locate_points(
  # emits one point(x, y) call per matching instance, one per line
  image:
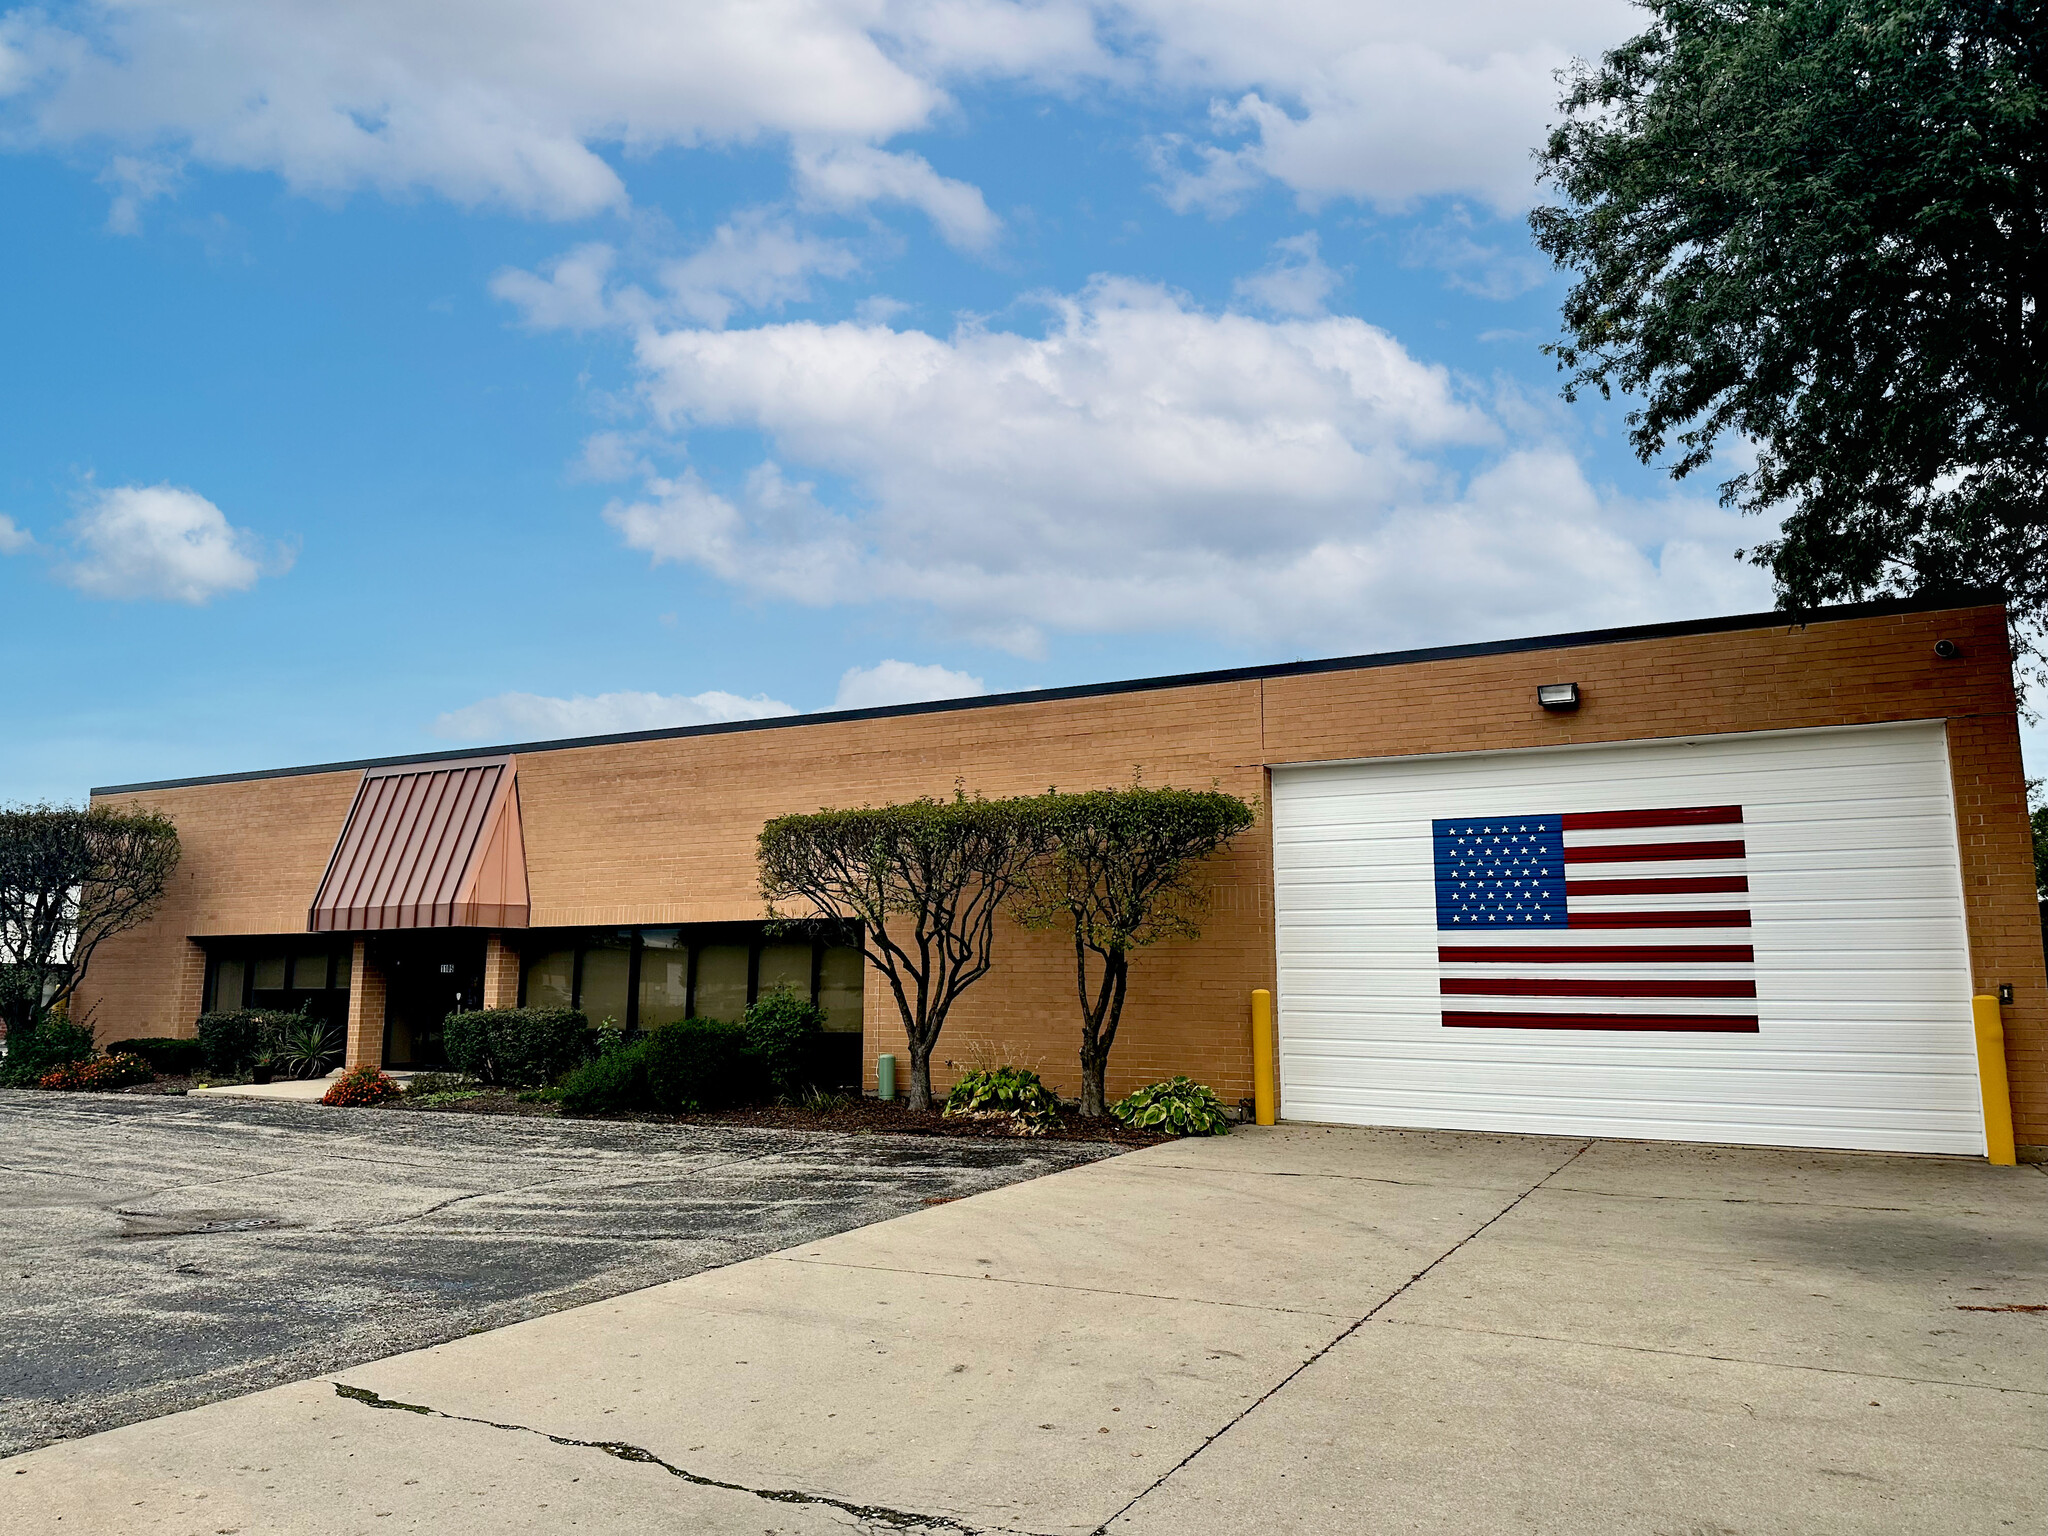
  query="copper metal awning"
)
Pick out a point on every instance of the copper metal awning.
point(428, 846)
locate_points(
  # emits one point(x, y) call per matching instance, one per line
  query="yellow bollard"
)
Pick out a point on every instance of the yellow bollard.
point(1262, 1057)
point(1991, 1080)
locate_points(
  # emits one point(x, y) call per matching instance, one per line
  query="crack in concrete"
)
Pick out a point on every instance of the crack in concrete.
point(1379, 1307)
point(871, 1514)
point(1695, 1354)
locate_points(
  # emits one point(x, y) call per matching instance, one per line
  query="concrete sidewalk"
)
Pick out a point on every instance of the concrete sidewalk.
point(1296, 1330)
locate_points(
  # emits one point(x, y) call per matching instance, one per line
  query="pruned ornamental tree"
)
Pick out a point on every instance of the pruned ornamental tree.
point(921, 883)
point(1821, 227)
point(1122, 871)
point(71, 879)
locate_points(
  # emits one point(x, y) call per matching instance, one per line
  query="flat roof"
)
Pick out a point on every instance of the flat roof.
point(1584, 637)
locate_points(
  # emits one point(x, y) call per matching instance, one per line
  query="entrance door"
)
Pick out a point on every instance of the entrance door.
point(427, 976)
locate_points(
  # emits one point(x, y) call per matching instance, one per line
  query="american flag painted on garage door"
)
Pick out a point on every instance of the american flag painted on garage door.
point(1605, 920)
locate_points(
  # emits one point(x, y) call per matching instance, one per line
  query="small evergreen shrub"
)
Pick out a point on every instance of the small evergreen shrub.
point(102, 1075)
point(782, 1030)
point(234, 1041)
point(1013, 1091)
point(360, 1089)
point(168, 1055)
point(52, 1042)
point(1180, 1106)
point(307, 1049)
point(702, 1064)
point(519, 1047)
point(612, 1084)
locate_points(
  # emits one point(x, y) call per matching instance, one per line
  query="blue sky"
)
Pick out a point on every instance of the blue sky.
point(407, 376)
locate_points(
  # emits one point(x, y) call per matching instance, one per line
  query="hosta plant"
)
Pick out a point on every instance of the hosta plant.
point(1013, 1091)
point(1180, 1106)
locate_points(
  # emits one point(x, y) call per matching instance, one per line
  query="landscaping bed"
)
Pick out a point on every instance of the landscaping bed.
point(849, 1115)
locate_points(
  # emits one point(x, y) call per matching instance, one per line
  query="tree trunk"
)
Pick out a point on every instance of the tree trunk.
point(920, 1077)
point(1098, 1033)
point(1094, 1068)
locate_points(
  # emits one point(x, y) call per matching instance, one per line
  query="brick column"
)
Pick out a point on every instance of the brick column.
point(365, 1012)
point(501, 973)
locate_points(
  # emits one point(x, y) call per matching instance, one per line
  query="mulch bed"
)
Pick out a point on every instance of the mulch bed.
point(866, 1117)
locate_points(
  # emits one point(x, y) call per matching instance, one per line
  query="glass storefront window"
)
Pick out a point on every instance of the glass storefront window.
point(551, 979)
point(344, 960)
point(309, 973)
point(607, 970)
point(269, 973)
point(721, 981)
point(785, 965)
point(227, 985)
point(664, 977)
point(842, 978)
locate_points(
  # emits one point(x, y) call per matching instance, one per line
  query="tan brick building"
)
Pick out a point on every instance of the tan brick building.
point(626, 879)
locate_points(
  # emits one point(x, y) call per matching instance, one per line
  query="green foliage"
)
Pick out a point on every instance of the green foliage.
point(2039, 817)
point(782, 1028)
point(1122, 871)
point(167, 1054)
point(1013, 1091)
point(424, 1085)
point(1819, 227)
point(34, 1050)
point(1180, 1106)
point(702, 1064)
point(306, 1048)
point(522, 1047)
point(360, 1089)
point(611, 1084)
point(103, 1074)
point(919, 882)
point(70, 879)
point(233, 1041)
point(609, 1036)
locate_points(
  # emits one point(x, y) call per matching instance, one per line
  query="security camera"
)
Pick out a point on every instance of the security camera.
point(1947, 650)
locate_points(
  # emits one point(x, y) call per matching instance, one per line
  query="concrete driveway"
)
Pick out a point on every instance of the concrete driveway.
point(159, 1253)
point(1295, 1330)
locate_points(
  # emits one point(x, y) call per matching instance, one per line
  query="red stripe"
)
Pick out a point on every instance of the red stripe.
point(1683, 885)
point(1690, 1023)
point(1731, 918)
point(1643, 853)
point(1581, 954)
point(1544, 986)
point(1688, 816)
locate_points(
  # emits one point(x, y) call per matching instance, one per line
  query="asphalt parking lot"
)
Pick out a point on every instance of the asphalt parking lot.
point(161, 1253)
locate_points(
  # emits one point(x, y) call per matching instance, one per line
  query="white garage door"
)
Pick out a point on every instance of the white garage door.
point(1753, 938)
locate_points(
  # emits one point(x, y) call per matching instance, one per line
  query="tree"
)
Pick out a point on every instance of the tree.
point(70, 880)
point(920, 883)
point(1122, 871)
point(1822, 226)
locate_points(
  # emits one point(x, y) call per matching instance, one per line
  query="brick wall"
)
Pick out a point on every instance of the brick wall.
point(662, 831)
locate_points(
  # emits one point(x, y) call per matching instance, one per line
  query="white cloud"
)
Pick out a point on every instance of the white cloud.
point(1295, 282)
point(850, 176)
point(13, 539)
point(758, 259)
point(1471, 265)
point(1148, 466)
point(903, 682)
point(517, 102)
point(536, 717)
point(162, 541)
point(136, 182)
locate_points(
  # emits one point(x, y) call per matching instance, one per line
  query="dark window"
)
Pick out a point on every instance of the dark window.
point(647, 977)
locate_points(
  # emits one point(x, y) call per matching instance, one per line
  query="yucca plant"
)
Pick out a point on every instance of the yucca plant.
point(306, 1049)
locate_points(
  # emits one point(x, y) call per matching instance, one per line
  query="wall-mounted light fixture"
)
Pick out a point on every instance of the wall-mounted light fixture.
point(1558, 696)
point(1947, 650)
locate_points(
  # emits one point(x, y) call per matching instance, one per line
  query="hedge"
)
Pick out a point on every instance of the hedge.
point(519, 1047)
point(231, 1041)
point(168, 1055)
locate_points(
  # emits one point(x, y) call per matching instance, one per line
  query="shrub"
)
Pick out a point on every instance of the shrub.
point(102, 1075)
point(233, 1041)
point(360, 1089)
point(614, 1083)
point(701, 1064)
point(782, 1030)
point(522, 1047)
point(169, 1056)
point(53, 1042)
point(424, 1084)
point(1013, 1091)
point(1180, 1106)
point(307, 1049)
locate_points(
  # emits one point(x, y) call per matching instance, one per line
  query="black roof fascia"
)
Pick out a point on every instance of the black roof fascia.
point(1562, 642)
